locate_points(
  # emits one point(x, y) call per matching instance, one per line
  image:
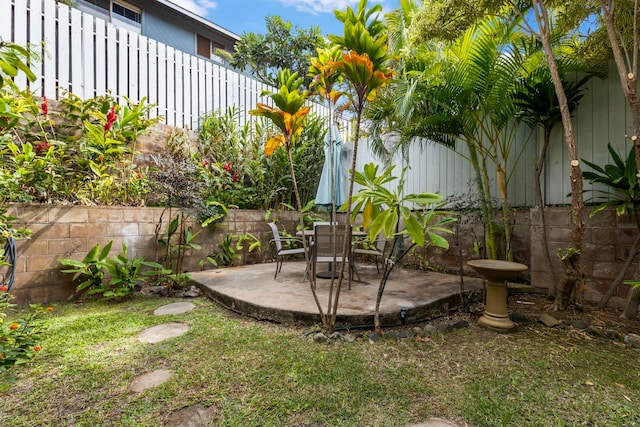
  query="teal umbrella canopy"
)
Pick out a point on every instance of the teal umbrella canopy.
point(323, 194)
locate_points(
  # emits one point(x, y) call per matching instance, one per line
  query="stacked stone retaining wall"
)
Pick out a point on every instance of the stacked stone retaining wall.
point(70, 232)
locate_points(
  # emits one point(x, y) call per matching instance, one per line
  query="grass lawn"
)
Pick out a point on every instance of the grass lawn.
point(262, 374)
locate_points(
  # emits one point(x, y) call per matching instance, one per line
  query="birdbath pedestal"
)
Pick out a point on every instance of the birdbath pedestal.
point(497, 273)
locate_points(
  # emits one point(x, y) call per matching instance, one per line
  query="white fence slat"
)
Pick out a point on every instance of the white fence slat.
point(36, 40)
point(88, 55)
point(123, 69)
point(195, 93)
point(216, 92)
point(207, 90)
point(134, 78)
point(163, 67)
point(143, 68)
point(75, 54)
point(177, 83)
point(202, 88)
point(186, 90)
point(50, 38)
point(170, 90)
point(20, 35)
point(5, 19)
point(101, 59)
point(62, 48)
point(112, 59)
point(153, 71)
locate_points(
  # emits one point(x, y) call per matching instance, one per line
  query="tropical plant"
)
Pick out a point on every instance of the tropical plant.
point(125, 277)
point(231, 252)
point(383, 211)
point(617, 184)
point(363, 66)
point(288, 115)
point(91, 270)
point(13, 60)
point(279, 48)
point(19, 338)
point(176, 239)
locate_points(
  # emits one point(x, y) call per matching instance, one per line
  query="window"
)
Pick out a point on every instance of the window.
point(127, 10)
point(204, 46)
point(207, 47)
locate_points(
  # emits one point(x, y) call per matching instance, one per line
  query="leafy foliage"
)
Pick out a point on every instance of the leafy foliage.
point(19, 338)
point(83, 153)
point(621, 183)
point(281, 47)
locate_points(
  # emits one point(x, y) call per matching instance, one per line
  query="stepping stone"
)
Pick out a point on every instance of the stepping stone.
point(162, 332)
point(175, 308)
point(149, 380)
point(192, 416)
point(435, 422)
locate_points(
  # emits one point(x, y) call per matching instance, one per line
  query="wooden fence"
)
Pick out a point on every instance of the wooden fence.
point(87, 56)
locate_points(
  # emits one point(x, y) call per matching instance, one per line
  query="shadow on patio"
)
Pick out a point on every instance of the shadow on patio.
point(409, 296)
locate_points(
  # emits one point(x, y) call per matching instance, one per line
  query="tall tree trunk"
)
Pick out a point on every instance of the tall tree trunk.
point(628, 73)
point(546, 257)
point(633, 300)
point(573, 269)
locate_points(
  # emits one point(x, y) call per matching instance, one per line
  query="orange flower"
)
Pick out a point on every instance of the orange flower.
point(14, 326)
point(37, 348)
point(49, 309)
point(3, 288)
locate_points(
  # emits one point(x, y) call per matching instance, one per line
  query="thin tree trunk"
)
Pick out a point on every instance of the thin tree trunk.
point(625, 268)
point(347, 243)
point(633, 300)
point(573, 269)
point(628, 74)
point(485, 210)
point(546, 257)
point(323, 317)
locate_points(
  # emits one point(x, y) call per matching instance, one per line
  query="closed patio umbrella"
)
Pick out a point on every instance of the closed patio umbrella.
point(323, 194)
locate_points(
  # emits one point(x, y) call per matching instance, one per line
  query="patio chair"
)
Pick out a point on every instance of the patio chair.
point(324, 247)
point(376, 252)
point(280, 251)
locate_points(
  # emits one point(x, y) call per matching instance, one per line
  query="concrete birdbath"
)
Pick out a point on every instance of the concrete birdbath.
point(497, 273)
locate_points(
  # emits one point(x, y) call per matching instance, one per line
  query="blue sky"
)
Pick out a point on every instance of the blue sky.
point(240, 16)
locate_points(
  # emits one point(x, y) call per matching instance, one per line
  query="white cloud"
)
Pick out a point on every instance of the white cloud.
point(321, 6)
point(199, 7)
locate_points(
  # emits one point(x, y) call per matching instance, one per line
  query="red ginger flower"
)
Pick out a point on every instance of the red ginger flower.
point(37, 348)
point(227, 167)
point(45, 106)
point(235, 177)
point(42, 147)
point(111, 118)
point(205, 164)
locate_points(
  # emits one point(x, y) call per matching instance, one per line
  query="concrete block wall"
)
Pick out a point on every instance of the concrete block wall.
point(71, 231)
point(607, 242)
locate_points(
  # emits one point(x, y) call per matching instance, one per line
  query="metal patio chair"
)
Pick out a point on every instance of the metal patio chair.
point(280, 251)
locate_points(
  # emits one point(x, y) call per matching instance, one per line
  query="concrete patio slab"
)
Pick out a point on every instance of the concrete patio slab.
point(409, 295)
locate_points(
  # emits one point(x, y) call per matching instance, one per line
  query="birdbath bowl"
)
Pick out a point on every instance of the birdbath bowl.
point(497, 273)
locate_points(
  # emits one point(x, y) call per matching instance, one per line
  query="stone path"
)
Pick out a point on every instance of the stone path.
point(196, 415)
point(158, 334)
